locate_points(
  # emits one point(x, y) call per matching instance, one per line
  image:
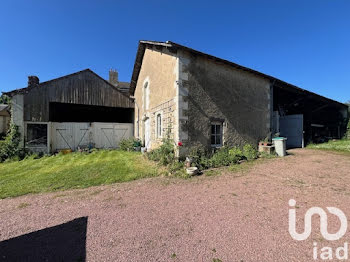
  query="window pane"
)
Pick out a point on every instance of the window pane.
point(213, 140)
point(218, 128)
point(212, 129)
point(218, 140)
point(159, 125)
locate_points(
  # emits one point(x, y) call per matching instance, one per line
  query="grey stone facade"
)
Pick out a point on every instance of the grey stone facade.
point(215, 92)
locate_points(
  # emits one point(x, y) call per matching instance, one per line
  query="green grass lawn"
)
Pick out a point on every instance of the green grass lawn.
point(339, 145)
point(75, 170)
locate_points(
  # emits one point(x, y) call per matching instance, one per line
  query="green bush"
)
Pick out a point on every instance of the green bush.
point(226, 156)
point(237, 152)
point(129, 144)
point(249, 152)
point(165, 154)
point(222, 157)
point(9, 147)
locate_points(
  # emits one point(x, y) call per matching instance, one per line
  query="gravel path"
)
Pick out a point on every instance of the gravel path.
point(231, 217)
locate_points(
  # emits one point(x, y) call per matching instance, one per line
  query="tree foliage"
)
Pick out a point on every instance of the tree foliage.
point(9, 148)
point(4, 99)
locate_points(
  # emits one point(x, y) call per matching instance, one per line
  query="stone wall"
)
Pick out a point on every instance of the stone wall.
point(213, 91)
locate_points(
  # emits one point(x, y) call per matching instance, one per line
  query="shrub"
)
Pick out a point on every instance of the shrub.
point(237, 152)
point(9, 148)
point(129, 144)
point(165, 154)
point(249, 152)
point(221, 158)
point(226, 156)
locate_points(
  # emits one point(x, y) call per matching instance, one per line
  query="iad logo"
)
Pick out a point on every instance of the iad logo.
point(326, 253)
point(323, 222)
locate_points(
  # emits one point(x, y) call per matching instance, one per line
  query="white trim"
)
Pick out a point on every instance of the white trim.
point(161, 124)
point(146, 94)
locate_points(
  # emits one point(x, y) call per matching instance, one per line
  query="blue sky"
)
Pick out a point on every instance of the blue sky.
point(306, 43)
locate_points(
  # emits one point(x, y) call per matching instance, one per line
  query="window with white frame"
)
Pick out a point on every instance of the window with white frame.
point(159, 125)
point(216, 134)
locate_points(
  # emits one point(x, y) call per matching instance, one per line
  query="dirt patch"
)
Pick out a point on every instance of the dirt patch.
point(217, 218)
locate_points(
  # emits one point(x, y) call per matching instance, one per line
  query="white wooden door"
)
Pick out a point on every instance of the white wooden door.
point(63, 136)
point(109, 135)
point(81, 135)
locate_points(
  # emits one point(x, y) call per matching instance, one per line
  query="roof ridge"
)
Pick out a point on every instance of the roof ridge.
point(171, 44)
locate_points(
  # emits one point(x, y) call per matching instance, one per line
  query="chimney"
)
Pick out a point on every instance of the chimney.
point(113, 77)
point(33, 81)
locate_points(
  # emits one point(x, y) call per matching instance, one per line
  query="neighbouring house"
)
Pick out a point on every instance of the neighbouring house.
point(4, 118)
point(204, 101)
point(74, 111)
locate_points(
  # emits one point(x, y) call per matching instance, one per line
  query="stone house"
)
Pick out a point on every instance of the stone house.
point(204, 101)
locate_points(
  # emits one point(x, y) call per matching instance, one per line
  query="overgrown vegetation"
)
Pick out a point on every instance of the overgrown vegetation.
point(337, 145)
point(224, 156)
point(9, 147)
point(165, 154)
point(74, 170)
point(199, 157)
point(129, 144)
point(4, 100)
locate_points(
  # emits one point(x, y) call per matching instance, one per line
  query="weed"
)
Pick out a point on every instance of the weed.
point(23, 205)
point(129, 144)
point(165, 154)
point(250, 152)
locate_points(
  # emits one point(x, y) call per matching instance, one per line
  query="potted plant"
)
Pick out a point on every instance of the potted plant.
point(265, 142)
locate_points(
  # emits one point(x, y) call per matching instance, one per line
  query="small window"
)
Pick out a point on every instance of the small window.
point(216, 134)
point(36, 134)
point(159, 125)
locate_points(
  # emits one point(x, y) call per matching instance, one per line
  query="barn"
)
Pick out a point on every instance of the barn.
point(80, 110)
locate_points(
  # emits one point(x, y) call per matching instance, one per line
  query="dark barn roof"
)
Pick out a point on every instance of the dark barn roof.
point(173, 47)
point(123, 85)
point(84, 88)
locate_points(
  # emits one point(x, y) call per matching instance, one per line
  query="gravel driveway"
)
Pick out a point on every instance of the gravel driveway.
point(230, 217)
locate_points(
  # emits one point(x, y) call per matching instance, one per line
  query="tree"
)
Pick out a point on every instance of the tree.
point(4, 99)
